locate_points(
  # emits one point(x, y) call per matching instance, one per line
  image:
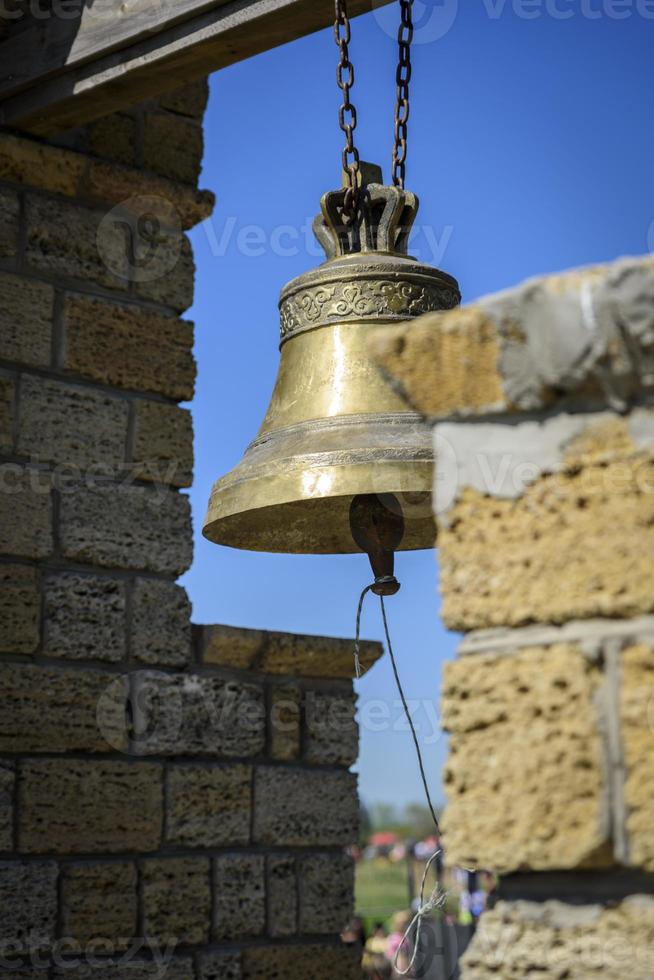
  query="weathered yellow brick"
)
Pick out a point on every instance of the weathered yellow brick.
point(173, 204)
point(209, 806)
point(176, 900)
point(444, 363)
point(20, 608)
point(130, 347)
point(552, 940)
point(99, 901)
point(285, 722)
point(114, 138)
point(74, 806)
point(190, 100)
point(9, 222)
point(7, 396)
point(36, 164)
point(637, 735)
point(525, 779)
point(172, 146)
point(292, 654)
point(50, 710)
point(163, 444)
point(25, 320)
point(575, 543)
point(25, 512)
point(66, 239)
point(71, 425)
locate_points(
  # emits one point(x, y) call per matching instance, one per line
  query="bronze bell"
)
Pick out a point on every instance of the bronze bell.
point(335, 429)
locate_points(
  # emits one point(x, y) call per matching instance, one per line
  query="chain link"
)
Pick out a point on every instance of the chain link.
point(402, 78)
point(347, 114)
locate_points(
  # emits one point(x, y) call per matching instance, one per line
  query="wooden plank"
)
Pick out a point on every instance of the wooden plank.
point(75, 36)
point(165, 52)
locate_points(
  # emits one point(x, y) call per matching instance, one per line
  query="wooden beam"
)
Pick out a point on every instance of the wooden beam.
point(60, 73)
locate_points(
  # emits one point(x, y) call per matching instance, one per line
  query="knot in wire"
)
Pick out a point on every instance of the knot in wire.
point(435, 902)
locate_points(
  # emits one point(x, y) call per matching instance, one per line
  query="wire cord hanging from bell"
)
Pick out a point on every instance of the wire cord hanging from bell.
point(396, 674)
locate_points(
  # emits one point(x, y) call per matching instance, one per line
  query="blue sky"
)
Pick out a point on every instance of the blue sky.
point(531, 149)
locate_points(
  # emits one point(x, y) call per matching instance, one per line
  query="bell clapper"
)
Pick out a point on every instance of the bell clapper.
point(377, 526)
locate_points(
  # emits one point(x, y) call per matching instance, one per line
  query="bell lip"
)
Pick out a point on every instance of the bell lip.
point(289, 497)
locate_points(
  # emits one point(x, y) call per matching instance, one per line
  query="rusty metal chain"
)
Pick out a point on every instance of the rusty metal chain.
point(402, 78)
point(347, 114)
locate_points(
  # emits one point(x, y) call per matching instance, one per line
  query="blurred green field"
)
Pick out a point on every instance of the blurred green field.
point(381, 889)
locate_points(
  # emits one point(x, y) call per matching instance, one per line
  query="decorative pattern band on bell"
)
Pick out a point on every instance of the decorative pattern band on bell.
point(335, 428)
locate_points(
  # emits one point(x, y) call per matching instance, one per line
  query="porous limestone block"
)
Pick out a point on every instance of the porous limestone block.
point(308, 962)
point(20, 608)
point(636, 705)
point(239, 897)
point(67, 240)
point(161, 623)
point(25, 320)
point(526, 779)
point(52, 710)
point(7, 794)
point(172, 146)
point(34, 163)
point(331, 732)
point(285, 722)
point(553, 940)
point(130, 347)
point(176, 900)
point(170, 274)
point(326, 893)
point(305, 808)
point(163, 444)
point(71, 426)
point(74, 806)
point(9, 222)
point(192, 714)
point(124, 526)
point(135, 195)
point(291, 654)
point(546, 521)
point(28, 905)
point(7, 412)
point(190, 100)
point(114, 138)
point(99, 901)
point(209, 806)
point(84, 617)
point(219, 966)
point(25, 512)
point(282, 895)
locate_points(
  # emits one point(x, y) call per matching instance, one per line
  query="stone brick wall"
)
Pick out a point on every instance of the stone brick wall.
point(174, 801)
point(541, 400)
